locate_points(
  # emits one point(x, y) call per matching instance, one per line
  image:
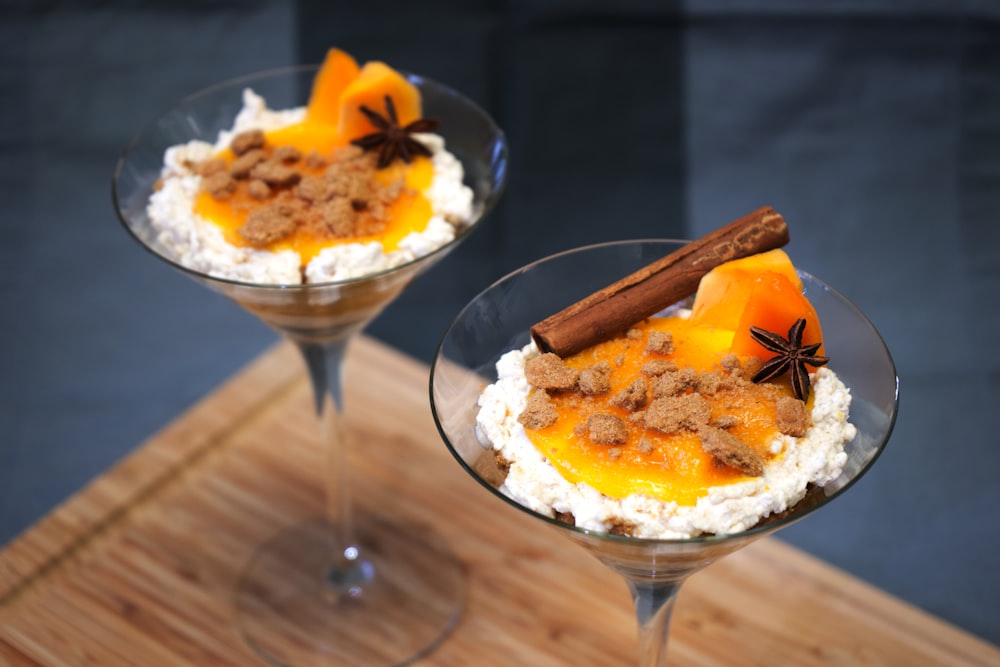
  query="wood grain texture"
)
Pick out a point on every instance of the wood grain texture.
point(139, 567)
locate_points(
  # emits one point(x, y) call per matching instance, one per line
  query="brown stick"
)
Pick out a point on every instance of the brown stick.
point(666, 281)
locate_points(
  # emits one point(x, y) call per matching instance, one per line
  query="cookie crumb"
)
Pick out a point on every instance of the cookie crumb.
point(547, 371)
point(246, 141)
point(660, 342)
point(632, 397)
point(658, 367)
point(671, 414)
point(607, 429)
point(595, 379)
point(731, 451)
point(219, 185)
point(538, 411)
point(674, 383)
point(266, 225)
point(244, 164)
point(792, 417)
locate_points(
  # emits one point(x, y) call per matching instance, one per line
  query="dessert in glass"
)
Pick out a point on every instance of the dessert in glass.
point(312, 197)
point(658, 428)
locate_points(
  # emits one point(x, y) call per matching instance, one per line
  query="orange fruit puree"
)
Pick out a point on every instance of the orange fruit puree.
point(332, 120)
point(666, 466)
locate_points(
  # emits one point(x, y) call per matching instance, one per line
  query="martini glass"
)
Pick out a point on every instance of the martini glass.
point(498, 320)
point(338, 589)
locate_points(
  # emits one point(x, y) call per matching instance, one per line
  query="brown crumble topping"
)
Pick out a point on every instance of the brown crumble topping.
point(246, 141)
point(595, 379)
point(244, 164)
point(708, 383)
point(726, 421)
point(539, 411)
point(645, 446)
point(219, 185)
point(660, 342)
point(792, 417)
point(208, 167)
point(619, 360)
point(634, 396)
point(671, 414)
point(259, 190)
point(658, 367)
point(731, 451)
point(267, 225)
point(547, 371)
point(607, 429)
point(614, 453)
point(343, 200)
point(633, 334)
point(674, 383)
point(287, 154)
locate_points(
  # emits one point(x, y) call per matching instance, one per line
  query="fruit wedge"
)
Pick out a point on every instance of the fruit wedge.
point(337, 72)
point(774, 303)
point(375, 81)
point(723, 291)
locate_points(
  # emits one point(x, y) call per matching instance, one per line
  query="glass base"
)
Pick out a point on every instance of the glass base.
point(395, 602)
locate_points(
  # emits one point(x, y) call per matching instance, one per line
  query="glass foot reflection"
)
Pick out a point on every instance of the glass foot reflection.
point(391, 601)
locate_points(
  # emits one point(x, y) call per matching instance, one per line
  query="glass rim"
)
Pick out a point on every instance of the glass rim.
point(244, 79)
point(763, 526)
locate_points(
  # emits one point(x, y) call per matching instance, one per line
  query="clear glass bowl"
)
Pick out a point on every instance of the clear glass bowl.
point(333, 589)
point(498, 320)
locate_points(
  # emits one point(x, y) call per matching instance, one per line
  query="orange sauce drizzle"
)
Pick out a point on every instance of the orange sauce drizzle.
point(677, 468)
point(410, 212)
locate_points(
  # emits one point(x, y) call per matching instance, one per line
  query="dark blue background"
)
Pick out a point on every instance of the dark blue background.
point(874, 127)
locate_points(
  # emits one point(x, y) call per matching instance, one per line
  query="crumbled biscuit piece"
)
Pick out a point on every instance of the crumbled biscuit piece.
point(708, 383)
point(219, 185)
point(267, 224)
point(792, 417)
point(619, 360)
point(208, 167)
point(726, 421)
point(337, 217)
point(246, 141)
point(731, 451)
point(547, 371)
point(634, 334)
point(607, 429)
point(580, 430)
point(314, 160)
point(258, 189)
point(595, 379)
point(614, 453)
point(314, 189)
point(275, 174)
point(244, 164)
point(673, 383)
point(658, 367)
point(671, 414)
point(749, 368)
point(632, 397)
point(538, 411)
point(286, 154)
point(730, 362)
point(660, 342)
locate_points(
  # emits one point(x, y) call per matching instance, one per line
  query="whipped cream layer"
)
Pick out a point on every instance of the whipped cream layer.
point(816, 458)
point(200, 245)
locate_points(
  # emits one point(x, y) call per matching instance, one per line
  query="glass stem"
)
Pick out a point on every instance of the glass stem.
point(654, 602)
point(349, 571)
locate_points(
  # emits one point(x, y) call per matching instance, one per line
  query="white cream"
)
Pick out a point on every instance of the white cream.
point(816, 458)
point(200, 245)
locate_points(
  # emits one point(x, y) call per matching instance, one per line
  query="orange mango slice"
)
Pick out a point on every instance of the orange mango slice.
point(369, 88)
point(774, 303)
point(339, 69)
point(723, 291)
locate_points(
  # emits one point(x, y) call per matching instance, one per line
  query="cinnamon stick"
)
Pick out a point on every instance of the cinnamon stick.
point(652, 288)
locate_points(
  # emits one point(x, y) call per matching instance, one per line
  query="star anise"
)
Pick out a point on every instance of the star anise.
point(792, 357)
point(390, 139)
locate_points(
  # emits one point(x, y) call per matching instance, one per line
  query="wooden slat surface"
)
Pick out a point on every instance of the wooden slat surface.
point(139, 568)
